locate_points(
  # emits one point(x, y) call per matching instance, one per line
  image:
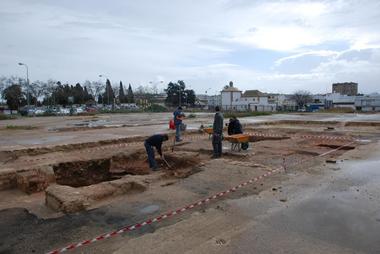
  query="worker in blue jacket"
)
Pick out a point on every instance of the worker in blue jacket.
point(178, 118)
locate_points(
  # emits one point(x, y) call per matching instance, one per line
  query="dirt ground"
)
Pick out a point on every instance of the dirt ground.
point(68, 180)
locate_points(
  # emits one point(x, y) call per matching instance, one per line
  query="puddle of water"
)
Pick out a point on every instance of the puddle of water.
point(44, 140)
point(150, 209)
point(361, 172)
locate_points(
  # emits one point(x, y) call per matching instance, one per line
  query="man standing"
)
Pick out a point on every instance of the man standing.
point(178, 117)
point(156, 141)
point(217, 135)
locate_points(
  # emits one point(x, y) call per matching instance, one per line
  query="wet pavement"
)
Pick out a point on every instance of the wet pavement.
point(51, 130)
point(338, 212)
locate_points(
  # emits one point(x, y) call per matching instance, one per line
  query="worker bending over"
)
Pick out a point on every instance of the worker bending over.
point(234, 127)
point(154, 141)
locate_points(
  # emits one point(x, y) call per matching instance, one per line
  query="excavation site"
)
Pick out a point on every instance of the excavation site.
point(78, 190)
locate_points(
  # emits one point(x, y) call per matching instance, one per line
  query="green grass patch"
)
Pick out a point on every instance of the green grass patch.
point(245, 114)
point(156, 108)
point(7, 117)
point(20, 127)
point(191, 115)
point(337, 110)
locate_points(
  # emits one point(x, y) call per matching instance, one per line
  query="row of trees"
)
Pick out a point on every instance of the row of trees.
point(14, 91)
point(177, 94)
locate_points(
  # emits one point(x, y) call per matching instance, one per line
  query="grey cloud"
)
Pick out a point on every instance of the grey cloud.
point(139, 40)
point(358, 55)
point(88, 24)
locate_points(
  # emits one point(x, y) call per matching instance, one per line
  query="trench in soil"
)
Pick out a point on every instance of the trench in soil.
point(337, 146)
point(85, 173)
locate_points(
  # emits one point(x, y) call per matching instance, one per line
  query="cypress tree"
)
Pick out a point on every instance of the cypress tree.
point(122, 97)
point(130, 96)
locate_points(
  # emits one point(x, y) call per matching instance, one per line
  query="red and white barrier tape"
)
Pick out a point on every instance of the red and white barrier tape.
point(302, 136)
point(196, 137)
point(181, 210)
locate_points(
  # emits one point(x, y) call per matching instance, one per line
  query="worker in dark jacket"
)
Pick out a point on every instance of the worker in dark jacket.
point(217, 134)
point(234, 127)
point(154, 141)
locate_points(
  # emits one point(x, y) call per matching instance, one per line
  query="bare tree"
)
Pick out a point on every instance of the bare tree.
point(48, 91)
point(94, 88)
point(37, 89)
point(301, 97)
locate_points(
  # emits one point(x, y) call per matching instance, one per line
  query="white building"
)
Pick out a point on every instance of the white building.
point(368, 103)
point(254, 100)
point(285, 102)
point(337, 100)
point(210, 101)
point(230, 96)
point(250, 100)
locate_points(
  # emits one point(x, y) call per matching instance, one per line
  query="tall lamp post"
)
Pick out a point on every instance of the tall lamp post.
point(154, 83)
point(179, 97)
point(107, 90)
point(27, 82)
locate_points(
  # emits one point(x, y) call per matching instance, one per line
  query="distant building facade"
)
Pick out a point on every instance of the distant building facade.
point(230, 95)
point(347, 88)
point(209, 101)
point(368, 103)
point(253, 100)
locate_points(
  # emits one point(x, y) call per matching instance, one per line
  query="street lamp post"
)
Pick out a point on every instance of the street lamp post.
point(154, 83)
point(179, 97)
point(27, 83)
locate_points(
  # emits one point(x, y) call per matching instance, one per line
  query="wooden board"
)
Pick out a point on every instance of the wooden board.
point(208, 130)
point(238, 138)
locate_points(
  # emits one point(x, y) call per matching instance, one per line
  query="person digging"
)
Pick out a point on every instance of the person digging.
point(154, 141)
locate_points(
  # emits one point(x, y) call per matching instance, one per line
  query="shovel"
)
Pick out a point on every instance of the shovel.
point(173, 144)
point(163, 158)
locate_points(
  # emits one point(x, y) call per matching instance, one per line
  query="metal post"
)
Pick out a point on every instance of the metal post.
point(27, 83)
point(179, 98)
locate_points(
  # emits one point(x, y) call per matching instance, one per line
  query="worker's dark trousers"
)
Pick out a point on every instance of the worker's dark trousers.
point(150, 152)
point(217, 144)
point(178, 132)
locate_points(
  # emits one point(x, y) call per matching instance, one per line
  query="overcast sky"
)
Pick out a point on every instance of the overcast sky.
point(273, 46)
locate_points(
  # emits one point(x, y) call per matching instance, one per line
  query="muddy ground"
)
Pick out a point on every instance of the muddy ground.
point(63, 192)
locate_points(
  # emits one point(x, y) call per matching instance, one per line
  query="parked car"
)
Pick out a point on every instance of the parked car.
point(64, 111)
point(91, 109)
point(27, 111)
point(39, 111)
point(79, 110)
